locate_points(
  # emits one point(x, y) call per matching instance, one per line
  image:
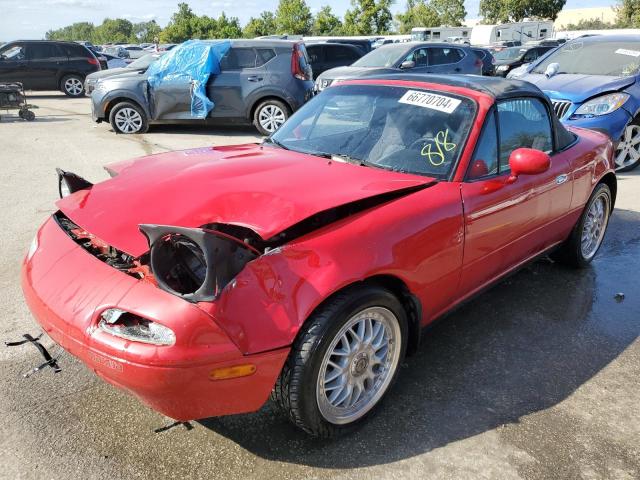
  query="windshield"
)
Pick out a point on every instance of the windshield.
point(512, 53)
point(144, 61)
point(601, 57)
point(385, 56)
point(393, 128)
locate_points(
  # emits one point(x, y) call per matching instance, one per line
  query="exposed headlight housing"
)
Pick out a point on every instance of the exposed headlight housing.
point(194, 263)
point(129, 326)
point(602, 105)
point(69, 183)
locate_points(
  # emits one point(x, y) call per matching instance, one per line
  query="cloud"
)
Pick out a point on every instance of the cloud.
point(74, 3)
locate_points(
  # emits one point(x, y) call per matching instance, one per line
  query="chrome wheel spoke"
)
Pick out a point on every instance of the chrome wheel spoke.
point(594, 226)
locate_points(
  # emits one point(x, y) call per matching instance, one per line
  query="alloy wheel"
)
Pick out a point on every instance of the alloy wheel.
point(73, 86)
point(359, 365)
point(594, 225)
point(271, 118)
point(628, 150)
point(128, 120)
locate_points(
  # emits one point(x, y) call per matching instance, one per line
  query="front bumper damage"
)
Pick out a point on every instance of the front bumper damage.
point(67, 289)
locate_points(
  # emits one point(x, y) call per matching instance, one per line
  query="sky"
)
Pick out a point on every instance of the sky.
point(30, 19)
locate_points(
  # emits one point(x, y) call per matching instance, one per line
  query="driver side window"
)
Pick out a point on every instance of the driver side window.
point(419, 57)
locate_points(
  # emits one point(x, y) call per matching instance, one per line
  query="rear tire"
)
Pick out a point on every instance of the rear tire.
point(586, 237)
point(128, 118)
point(72, 85)
point(270, 115)
point(344, 360)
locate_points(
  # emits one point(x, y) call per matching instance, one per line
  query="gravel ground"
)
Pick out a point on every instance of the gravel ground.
point(537, 378)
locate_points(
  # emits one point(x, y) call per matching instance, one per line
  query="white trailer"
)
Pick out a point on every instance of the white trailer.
point(441, 34)
point(521, 32)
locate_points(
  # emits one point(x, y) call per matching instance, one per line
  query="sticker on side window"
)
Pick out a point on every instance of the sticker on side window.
point(433, 101)
point(630, 53)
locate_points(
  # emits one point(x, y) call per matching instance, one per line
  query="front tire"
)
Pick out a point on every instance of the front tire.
point(344, 360)
point(72, 86)
point(587, 235)
point(627, 155)
point(270, 115)
point(128, 118)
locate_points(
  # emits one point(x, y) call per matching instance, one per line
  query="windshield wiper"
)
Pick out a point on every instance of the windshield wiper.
point(272, 141)
point(356, 161)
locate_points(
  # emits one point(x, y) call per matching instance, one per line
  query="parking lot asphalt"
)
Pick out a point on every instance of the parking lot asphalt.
point(536, 378)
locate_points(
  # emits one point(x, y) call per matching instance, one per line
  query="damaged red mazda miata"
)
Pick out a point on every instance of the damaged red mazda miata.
point(303, 268)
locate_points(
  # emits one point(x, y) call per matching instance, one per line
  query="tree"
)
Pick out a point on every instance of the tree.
point(76, 31)
point(368, 17)
point(326, 23)
point(628, 13)
point(227, 27)
point(114, 30)
point(146, 32)
point(293, 17)
point(265, 24)
point(500, 11)
point(589, 24)
point(180, 27)
point(418, 13)
point(450, 12)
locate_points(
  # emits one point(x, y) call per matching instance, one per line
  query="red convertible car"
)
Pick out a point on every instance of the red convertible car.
point(203, 281)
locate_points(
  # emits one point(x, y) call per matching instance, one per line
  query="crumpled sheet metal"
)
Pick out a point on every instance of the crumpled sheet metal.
point(192, 63)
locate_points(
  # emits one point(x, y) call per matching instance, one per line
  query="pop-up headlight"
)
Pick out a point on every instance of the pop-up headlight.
point(69, 183)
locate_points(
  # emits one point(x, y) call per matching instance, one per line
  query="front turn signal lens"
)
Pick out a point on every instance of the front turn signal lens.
point(232, 372)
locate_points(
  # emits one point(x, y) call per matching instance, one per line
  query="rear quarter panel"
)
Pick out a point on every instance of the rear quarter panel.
point(591, 159)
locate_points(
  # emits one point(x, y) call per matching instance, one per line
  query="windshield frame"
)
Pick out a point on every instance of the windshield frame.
point(463, 146)
point(132, 65)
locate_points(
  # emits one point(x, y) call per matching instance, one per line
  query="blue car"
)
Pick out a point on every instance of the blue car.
point(593, 83)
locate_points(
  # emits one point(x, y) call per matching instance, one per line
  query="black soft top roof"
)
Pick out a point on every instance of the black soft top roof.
point(498, 88)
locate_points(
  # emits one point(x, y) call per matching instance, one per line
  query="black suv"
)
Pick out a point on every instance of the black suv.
point(326, 55)
point(47, 65)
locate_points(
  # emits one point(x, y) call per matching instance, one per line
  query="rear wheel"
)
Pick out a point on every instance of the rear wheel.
point(270, 115)
point(343, 362)
point(72, 85)
point(627, 156)
point(127, 117)
point(588, 234)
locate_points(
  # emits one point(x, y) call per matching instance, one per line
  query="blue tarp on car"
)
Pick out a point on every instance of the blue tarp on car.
point(190, 62)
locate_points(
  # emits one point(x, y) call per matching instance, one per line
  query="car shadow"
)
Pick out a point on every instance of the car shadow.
point(522, 347)
point(16, 119)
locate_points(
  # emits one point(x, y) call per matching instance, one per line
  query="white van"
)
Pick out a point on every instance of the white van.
point(520, 32)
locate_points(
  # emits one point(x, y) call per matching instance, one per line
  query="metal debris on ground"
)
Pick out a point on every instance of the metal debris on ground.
point(49, 360)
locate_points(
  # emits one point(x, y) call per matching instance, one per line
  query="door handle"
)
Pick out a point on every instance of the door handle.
point(254, 78)
point(457, 69)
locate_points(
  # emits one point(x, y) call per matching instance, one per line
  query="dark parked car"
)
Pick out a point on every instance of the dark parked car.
point(326, 55)
point(47, 65)
point(260, 82)
point(488, 61)
point(414, 57)
point(514, 57)
point(363, 44)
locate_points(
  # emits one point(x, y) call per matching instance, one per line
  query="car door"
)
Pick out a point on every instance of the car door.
point(13, 64)
point(45, 61)
point(508, 222)
point(239, 77)
point(445, 60)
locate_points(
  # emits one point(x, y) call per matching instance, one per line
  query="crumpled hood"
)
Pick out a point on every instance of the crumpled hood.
point(577, 88)
point(264, 188)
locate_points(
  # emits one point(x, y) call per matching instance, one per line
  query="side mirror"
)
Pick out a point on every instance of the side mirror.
point(407, 64)
point(528, 161)
point(551, 70)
